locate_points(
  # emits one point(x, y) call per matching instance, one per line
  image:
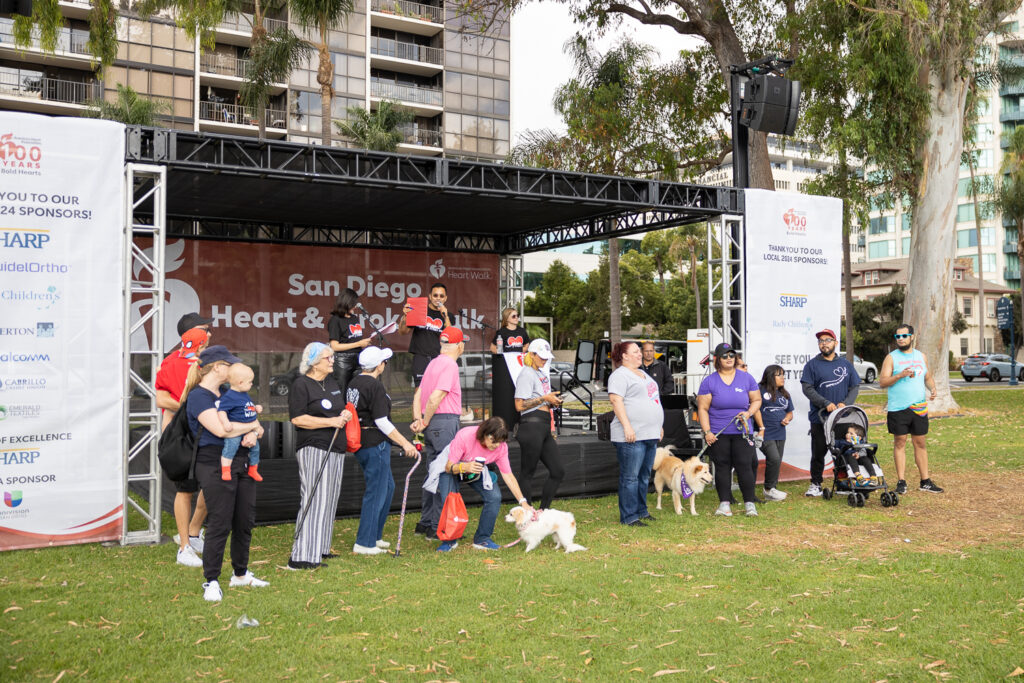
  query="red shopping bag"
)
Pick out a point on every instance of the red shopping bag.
point(353, 432)
point(453, 518)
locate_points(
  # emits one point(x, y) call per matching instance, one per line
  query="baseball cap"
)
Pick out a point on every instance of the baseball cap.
point(192, 340)
point(723, 349)
point(826, 333)
point(190, 320)
point(372, 356)
point(542, 348)
point(452, 335)
point(216, 353)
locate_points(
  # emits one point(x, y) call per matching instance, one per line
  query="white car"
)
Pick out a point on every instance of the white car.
point(867, 370)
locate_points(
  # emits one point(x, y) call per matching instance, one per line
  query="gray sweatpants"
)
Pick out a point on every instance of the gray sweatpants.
point(437, 436)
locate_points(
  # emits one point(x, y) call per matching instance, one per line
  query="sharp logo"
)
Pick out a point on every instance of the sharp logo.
point(437, 269)
point(24, 239)
point(792, 300)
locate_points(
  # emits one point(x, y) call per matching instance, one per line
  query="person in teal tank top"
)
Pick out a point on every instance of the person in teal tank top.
point(910, 384)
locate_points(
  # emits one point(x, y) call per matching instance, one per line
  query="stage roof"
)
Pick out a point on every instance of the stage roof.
point(222, 186)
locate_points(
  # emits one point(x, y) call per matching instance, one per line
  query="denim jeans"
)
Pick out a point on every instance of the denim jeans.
point(492, 502)
point(380, 489)
point(231, 445)
point(635, 462)
point(439, 433)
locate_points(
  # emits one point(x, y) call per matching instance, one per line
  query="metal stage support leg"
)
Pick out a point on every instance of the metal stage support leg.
point(511, 282)
point(727, 285)
point(145, 216)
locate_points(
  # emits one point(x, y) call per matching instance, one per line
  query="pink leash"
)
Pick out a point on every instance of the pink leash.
point(533, 518)
point(405, 498)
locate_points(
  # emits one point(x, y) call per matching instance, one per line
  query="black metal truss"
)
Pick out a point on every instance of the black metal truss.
point(592, 229)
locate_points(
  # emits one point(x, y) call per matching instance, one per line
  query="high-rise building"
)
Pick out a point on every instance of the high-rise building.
point(420, 55)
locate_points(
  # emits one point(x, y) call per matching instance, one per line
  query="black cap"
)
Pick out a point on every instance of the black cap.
point(723, 349)
point(212, 354)
point(190, 320)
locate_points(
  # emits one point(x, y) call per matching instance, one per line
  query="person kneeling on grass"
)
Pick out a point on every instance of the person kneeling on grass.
point(469, 453)
point(236, 406)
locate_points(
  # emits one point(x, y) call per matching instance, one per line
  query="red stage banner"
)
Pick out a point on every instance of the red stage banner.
point(279, 297)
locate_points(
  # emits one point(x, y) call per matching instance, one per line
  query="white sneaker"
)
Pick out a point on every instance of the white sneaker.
point(212, 592)
point(774, 494)
point(751, 510)
point(188, 557)
point(247, 580)
point(724, 509)
point(814, 491)
point(363, 550)
point(198, 542)
point(383, 544)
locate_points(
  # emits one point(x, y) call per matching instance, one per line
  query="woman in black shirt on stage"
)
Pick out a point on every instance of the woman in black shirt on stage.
point(514, 339)
point(345, 330)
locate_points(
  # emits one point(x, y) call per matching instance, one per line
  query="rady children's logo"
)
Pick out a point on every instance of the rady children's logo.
point(796, 222)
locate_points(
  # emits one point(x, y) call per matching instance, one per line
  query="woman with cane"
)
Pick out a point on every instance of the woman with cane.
point(373, 406)
point(317, 409)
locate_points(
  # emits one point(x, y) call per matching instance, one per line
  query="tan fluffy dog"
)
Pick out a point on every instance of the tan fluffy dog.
point(668, 471)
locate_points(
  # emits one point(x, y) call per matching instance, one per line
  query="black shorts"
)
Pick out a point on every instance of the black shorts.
point(186, 486)
point(419, 366)
point(906, 421)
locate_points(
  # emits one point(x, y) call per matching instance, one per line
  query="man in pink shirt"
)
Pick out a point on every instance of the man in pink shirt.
point(436, 407)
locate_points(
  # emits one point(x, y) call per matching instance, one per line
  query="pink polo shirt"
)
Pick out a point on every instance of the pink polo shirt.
point(465, 448)
point(442, 373)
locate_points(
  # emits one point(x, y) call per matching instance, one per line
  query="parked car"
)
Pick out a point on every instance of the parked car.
point(472, 367)
point(866, 370)
point(992, 366)
point(280, 385)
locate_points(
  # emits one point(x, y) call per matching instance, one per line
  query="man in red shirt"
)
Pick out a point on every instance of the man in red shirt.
point(170, 383)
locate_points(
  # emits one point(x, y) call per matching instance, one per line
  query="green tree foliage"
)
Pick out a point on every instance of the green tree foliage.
point(198, 18)
point(567, 300)
point(1010, 195)
point(380, 129)
point(128, 108)
point(47, 20)
point(320, 16)
point(875, 322)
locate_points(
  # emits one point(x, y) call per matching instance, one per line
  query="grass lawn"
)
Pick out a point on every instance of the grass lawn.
point(810, 590)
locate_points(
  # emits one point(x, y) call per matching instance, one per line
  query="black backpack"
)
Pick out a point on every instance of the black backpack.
point(177, 448)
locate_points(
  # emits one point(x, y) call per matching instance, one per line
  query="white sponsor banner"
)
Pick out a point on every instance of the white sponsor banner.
point(61, 330)
point(793, 271)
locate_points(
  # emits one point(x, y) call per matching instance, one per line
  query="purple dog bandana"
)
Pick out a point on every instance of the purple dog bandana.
point(684, 487)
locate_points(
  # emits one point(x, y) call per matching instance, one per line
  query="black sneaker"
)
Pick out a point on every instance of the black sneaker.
point(636, 522)
point(648, 518)
point(296, 565)
point(901, 487)
point(422, 529)
point(928, 485)
point(330, 556)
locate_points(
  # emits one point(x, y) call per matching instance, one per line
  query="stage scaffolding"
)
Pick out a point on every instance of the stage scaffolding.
point(726, 282)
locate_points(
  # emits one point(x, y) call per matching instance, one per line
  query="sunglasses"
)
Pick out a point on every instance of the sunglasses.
point(902, 336)
point(728, 355)
point(825, 340)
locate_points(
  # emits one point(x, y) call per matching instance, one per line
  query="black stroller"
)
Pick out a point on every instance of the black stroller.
point(837, 423)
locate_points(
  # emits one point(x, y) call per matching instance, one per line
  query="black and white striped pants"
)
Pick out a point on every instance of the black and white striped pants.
point(313, 539)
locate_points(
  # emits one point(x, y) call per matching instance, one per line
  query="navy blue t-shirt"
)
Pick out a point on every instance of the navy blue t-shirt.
point(832, 379)
point(201, 399)
point(772, 414)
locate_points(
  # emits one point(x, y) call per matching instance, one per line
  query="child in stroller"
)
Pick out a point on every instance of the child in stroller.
point(854, 451)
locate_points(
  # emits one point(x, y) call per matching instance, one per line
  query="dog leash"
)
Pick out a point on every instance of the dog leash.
point(405, 498)
point(533, 518)
point(706, 444)
point(752, 439)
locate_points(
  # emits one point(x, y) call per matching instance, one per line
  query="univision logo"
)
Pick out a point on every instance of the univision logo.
point(12, 499)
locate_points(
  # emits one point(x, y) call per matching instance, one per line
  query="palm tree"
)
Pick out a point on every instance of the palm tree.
point(1010, 195)
point(129, 108)
point(687, 244)
point(379, 130)
point(323, 15)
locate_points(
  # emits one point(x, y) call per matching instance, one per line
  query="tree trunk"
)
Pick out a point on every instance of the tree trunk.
point(695, 285)
point(981, 280)
point(929, 305)
point(847, 267)
point(259, 37)
point(760, 164)
point(614, 293)
point(325, 77)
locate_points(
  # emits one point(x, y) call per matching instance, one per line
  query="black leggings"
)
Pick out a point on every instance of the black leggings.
point(729, 452)
point(536, 444)
point(851, 460)
point(231, 507)
point(346, 366)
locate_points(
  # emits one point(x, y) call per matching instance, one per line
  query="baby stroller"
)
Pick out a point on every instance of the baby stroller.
point(837, 423)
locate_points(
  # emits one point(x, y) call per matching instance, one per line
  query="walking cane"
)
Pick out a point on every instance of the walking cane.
point(405, 497)
point(319, 475)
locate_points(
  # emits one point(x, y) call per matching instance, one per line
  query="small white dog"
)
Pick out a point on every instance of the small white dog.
point(534, 526)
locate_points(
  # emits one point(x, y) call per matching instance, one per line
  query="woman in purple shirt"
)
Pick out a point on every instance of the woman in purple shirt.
point(723, 397)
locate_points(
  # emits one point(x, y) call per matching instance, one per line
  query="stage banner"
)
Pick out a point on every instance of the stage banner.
point(793, 273)
point(278, 297)
point(61, 330)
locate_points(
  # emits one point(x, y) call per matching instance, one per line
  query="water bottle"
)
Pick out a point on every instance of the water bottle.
point(245, 622)
point(501, 345)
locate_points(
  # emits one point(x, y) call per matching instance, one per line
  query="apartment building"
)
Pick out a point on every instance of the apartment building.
point(455, 81)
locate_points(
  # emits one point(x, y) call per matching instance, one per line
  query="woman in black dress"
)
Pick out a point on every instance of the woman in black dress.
point(509, 338)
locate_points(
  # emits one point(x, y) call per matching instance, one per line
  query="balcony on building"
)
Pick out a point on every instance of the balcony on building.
point(75, 9)
point(422, 137)
point(1011, 274)
point(236, 27)
point(223, 69)
point(1010, 248)
point(422, 95)
point(217, 115)
point(1011, 114)
point(36, 91)
point(404, 15)
point(404, 52)
point(71, 49)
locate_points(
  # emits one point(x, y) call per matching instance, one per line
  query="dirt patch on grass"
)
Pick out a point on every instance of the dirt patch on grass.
point(976, 509)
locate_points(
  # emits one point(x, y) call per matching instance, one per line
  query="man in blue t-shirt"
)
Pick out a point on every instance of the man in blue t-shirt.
point(829, 382)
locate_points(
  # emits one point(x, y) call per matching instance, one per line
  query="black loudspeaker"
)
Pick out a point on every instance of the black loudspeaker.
point(771, 104)
point(584, 366)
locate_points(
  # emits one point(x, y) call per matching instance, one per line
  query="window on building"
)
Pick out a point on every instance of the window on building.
point(990, 308)
point(958, 273)
point(963, 186)
point(906, 247)
point(963, 346)
point(989, 345)
point(882, 225)
point(983, 157)
point(968, 306)
point(884, 249)
point(907, 220)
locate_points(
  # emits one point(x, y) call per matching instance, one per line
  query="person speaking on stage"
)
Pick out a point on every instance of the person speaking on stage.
point(373, 407)
point(345, 332)
point(511, 337)
point(536, 436)
point(316, 407)
point(425, 344)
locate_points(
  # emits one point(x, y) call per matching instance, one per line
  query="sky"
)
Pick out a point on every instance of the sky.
point(539, 31)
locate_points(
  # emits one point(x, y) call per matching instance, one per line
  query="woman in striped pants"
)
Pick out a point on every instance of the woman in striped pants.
point(317, 409)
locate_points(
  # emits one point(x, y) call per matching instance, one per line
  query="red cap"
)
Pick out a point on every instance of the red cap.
point(452, 335)
point(826, 332)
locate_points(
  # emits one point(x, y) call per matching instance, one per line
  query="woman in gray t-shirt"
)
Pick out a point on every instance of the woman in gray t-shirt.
point(635, 430)
point(536, 436)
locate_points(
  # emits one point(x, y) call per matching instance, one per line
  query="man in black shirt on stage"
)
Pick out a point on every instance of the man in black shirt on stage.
point(657, 370)
point(425, 344)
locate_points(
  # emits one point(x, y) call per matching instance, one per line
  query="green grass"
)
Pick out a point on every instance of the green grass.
point(807, 591)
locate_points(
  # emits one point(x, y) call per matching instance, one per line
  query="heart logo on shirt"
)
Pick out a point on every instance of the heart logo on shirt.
point(354, 330)
point(434, 324)
point(515, 341)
